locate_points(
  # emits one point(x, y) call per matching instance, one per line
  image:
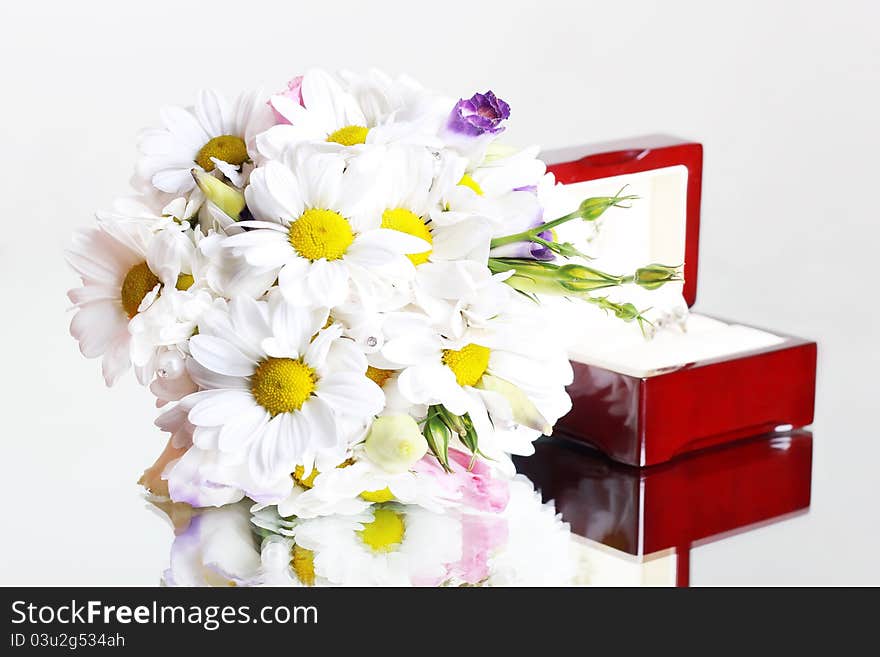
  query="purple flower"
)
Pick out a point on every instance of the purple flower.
point(525, 249)
point(480, 114)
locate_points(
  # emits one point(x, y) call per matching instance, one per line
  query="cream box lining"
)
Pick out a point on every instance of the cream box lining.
point(705, 338)
point(652, 230)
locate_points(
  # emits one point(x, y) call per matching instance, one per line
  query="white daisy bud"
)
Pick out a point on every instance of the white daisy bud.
point(228, 199)
point(524, 411)
point(395, 443)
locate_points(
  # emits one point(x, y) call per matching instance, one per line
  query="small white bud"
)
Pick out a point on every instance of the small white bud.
point(395, 443)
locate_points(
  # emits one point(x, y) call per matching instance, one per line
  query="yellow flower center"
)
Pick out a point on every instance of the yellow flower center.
point(320, 234)
point(303, 563)
point(410, 223)
point(385, 532)
point(378, 496)
point(469, 363)
point(135, 286)
point(350, 135)
point(139, 281)
point(378, 376)
point(228, 148)
point(307, 482)
point(185, 281)
point(282, 385)
point(468, 181)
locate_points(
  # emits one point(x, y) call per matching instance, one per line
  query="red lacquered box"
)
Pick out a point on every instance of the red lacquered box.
point(701, 381)
point(647, 515)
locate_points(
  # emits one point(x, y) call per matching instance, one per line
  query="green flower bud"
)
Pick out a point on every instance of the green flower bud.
point(531, 276)
point(227, 198)
point(395, 443)
point(655, 275)
point(592, 208)
point(437, 436)
point(580, 278)
point(626, 311)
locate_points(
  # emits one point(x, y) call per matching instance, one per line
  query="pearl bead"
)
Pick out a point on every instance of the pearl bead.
point(170, 365)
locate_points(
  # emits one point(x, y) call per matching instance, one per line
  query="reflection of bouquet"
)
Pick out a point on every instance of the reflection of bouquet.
point(522, 544)
point(332, 294)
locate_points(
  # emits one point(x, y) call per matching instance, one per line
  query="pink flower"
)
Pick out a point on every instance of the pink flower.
point(479, 490)
point(480, 537)
point(293, 92)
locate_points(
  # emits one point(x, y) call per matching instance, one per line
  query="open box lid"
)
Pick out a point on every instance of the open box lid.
point(662, 226)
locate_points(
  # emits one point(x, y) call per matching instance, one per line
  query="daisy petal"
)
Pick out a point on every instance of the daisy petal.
point(96, 325)
point(433, 384)
point(213, 113)
point(219, 407)
point(220, 356)
point(351, 394)
point(292, 281)
point(328, 282)
point(377, 247)
point(323, 96)
point(184, 127)
point(318, 348)
point(240, 429)
point(322, 424)
point(173, 181)
point(261, 461)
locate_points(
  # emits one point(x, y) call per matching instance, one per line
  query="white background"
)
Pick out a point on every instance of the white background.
point(785, 97)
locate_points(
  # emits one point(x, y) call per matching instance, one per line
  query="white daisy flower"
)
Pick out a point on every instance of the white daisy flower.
point(386, 545)
point(502, 375)
point(178, 213)
point(228, 274)
point(176, 249)
point(314, 228)
point(354, 486)
point(415, 181)
point(205, 477)
point(460, 294)
point(352, 110)
point(126, 269)
point(212, 136)
point(277, 386)
point(505, 190)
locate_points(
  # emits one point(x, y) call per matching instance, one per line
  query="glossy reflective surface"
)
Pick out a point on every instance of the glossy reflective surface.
point(693, 500)
point(628, 526)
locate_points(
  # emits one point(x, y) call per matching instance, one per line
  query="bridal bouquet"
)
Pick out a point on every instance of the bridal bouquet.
point(334, 294)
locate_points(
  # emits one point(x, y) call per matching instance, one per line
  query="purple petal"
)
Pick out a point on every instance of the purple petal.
point(478, 115)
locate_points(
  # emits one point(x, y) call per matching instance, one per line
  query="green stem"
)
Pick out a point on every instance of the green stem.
point(589, 210)
point(532, 234)
point(550, 225)
point(525, 236)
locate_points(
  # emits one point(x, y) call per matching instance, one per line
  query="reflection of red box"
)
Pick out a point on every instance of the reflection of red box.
point(644, 416)
point(695, 498)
